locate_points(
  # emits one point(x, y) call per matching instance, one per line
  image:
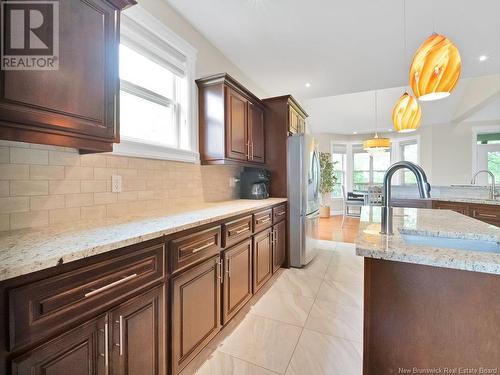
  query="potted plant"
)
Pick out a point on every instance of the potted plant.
point(327, 182)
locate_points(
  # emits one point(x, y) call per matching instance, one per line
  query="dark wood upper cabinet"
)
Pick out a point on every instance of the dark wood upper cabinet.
point(80, 351)
point(231, 122)
point(78, 104)
point(279, 245)
point(237, 279)
point(196, 304)
point(262, 259)
point(137, 335)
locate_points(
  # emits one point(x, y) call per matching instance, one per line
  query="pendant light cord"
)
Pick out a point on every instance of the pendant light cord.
point(376, 114)
point(405, 45)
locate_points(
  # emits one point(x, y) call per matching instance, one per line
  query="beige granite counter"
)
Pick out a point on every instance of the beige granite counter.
point(469, 200)
point(30, 250)
point(432, 223)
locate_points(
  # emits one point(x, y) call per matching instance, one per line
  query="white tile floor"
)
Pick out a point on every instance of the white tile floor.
point(308, 322)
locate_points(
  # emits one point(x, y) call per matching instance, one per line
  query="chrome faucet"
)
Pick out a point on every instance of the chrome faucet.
point(493, 194)
point(424, 188)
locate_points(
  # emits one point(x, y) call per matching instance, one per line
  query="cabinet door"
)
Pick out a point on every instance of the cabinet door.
point(237, 146)
point(256, 133)
point(301, 125)
point(76, 105)
point(293, 120)
point(237, 279)
point(262, 259)
point(81, 351)
point(195, 310)
point(488, 213)
point(279, 245)
point(137, 332)
point(461, 208)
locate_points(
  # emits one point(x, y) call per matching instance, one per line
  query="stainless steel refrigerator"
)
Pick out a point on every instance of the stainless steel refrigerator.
point(303, 198)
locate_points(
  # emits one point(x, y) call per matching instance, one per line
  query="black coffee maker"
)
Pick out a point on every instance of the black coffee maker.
point(254, 183)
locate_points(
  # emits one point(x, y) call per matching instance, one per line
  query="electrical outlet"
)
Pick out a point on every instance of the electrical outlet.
point(116, 183)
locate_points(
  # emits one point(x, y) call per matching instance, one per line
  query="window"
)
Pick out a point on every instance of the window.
point(339, 172)
point(369, 170)
point(409, 152)
point(488, 156)
point(156, 90)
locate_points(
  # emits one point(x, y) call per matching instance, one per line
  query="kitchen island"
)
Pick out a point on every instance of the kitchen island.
point(428, 304)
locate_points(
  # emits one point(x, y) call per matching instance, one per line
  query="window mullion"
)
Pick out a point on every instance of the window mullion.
point(145, 94)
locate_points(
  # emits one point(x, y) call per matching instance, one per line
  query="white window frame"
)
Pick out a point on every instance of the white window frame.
point(343, 171)
point(475, 132)
point(136, 25)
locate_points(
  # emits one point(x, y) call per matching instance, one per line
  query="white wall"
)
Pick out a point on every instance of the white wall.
point(210, 60)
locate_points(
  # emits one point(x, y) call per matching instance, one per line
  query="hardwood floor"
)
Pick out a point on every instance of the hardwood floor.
point(331, 229)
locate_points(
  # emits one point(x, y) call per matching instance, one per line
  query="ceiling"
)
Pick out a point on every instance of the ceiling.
point(341, 46)
point(474, 99)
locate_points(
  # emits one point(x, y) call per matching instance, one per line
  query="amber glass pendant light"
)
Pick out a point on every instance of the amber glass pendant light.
point(435, 69)
point(406, 114)
point(376, 145)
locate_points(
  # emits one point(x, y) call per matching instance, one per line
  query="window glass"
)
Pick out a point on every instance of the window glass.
point(409, 153)
point(361, 171)
point(339, 172)
point(494, 163)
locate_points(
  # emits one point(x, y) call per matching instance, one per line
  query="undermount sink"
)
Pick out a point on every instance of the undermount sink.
point(452, 243)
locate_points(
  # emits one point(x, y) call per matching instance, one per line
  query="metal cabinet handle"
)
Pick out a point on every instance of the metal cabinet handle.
point(248, 149)
point(251, 147)
point(239, 231)
point(219, 270)
point(111, 285)
point(479, 214)
point(267, 220)
point(120, 325)
point(281, 213)
point(106, 345)
point(206, 246)
point(275, 237)
point(228, 269)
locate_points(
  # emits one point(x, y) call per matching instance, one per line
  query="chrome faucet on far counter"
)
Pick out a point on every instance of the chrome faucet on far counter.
point(493, 193)
point(424, 188)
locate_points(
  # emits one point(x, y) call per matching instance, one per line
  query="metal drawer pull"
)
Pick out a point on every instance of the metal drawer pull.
point(484, 215)
point(219, 270)
point(236, 232)
point(109, 286)
point(264, 221)
point(281, 213)
point(120, 321)
point(228, 269)
point(252, 150)
point(106, 345)
point(206, 246)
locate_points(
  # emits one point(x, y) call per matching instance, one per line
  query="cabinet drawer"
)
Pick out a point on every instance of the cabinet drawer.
point(263, 220)
point(237, 230)
point(279, 213)
point(192, 248)
point(43, 307)
point(488, 214)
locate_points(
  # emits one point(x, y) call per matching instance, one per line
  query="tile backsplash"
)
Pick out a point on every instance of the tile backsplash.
point(43, 185)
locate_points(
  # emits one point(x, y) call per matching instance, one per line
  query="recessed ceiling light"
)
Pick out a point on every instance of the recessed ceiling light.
point(389, 130)
point(483, 58)
point(354, 132)
point(308, 85)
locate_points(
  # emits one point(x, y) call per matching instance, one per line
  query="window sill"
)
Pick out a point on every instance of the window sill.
point(133, 148)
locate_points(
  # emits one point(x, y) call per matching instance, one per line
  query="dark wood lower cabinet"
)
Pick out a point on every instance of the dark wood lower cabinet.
point(237, 288)
point(196, 303)
point(279, 245)
point(461, 208)
point(262, 259)
point(81, 351)
point(137, 331)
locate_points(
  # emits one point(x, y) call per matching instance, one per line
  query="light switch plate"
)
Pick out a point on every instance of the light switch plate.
point(116, 183)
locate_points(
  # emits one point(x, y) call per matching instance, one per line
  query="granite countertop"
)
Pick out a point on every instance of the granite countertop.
point(29, 250)
point(432, 223)
point(469, 200)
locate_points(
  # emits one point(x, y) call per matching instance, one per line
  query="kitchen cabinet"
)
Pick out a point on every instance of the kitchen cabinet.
point(231, 122)
point(136, 342)
point(237, 289)
point(262, 258)
point(76, 105)
point(279, 245)
point(196, 304)
point(461, 208)
point(488, 213)
point(83, 350)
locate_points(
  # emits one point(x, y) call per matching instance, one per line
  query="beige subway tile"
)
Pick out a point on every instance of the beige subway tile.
point(145, 195)
point(99, 186)
point(79, 173)
point(136, 207)
point(46, 172)
point(64, 215)
point(133, 184)
point(14, 172)
point(93, 212)
point(127, 196)
point(4, 188)
point(53, 148)
point(116, 162)
point(18, 188)
point(4, 155)
point(14, 144)
point(117, 210)
point(126, 173)
point(154, 184)
point(78, 200)
point(4, 222)
point(103, 173)
point(93, 160)
point(28, 156)
point(29, 219)
point(64, 187)
point(47, 202)
point(137, 163)
point(105, 198)
point(14, 204)
point(63, 158)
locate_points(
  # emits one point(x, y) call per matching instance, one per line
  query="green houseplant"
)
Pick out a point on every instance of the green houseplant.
point(327, 181)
